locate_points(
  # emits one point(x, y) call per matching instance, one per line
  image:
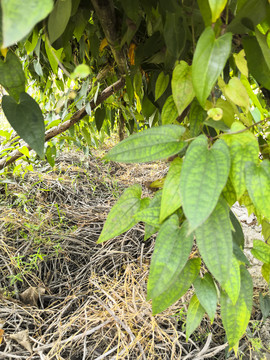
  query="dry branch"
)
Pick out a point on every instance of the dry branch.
point(79, 115)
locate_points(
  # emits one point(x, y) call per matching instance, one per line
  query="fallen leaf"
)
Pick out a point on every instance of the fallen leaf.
point(22, 338)
point(31, 295)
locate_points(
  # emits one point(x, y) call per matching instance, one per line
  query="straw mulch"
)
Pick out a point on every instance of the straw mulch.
point(65, 297)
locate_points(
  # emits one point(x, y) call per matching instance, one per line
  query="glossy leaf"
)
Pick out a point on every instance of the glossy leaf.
point(151, 144)
point(171, 252)
point(236, 92)
point(100, 114)
point(235, 318)
point(12, 75)
point(256, 61)
point(171, 200)
point(161, 84)
point(251, 13)
point(207, 294)
point(243, 148)
point(182, 88)
point(177, 287)
point(27, 120)
point(194, 315)
point(217, 6)
point(261, 251)
point(203, 177)
point(169, 111)
point(59, 18)
point(19, 18)
point(209, 60)
point(258, 185)
point(214, 240)
point(120, 218)
point(232, 285)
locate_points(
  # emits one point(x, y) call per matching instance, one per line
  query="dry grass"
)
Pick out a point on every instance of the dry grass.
point(87, 301)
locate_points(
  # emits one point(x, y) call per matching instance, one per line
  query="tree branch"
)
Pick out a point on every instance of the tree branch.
point(106, 16)
point(79, 115)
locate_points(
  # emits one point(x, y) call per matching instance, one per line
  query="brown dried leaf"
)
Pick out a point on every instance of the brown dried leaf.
point(22, 338)
point(1, 335)
point(30, 296)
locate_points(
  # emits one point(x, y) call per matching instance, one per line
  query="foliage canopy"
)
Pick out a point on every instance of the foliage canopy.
point(196, 74)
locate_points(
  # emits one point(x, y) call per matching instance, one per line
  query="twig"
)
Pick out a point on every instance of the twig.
point(72, 338)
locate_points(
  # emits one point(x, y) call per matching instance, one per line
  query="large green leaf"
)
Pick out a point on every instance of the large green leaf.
point(217, 6)
point(161, 84)
point(174, 33)
point(256, 62)
point(171, 191)
point(194, 315)
point(120, 218)
point(59, 18)
point(251, 13)
point(243, 148)
point(177, 287)
point(100, 114)
point(19, 18)
point(209, 60)
point(261, 251)
point(27, 120)
point(214, 240)
point(203, 176)
point(237, 234)
point(207, 294)
point(232, 285)
point(237, 93)
point(235, 318)
point(169, 111)
point(151, 144)
point(258, 185)
point(12, 75)
point(172, 249)
point(262, 41)
point(182, 88)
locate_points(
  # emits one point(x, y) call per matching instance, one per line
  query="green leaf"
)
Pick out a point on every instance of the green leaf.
point(217, 6)
point(171, 201)
point(197, 116)
point(237, 234)
point(149, 230)
point(182, 88)
point(241, 62)
point(214, 241)
point(266, 273)
point(229, 193)
point(228, 112)
point(130, 90)
point(54, 56)
point(172, 249)
point(12, 75)
point(262, 41)
point(207, 294)
point(266, 230)
point(264, 305)
point(243, 148)
point(235, 318)
point(240, 256)
point(100, 114)
point(19, 18)
point(150, 145)
point(150, 214)
point(258, 185)
point(169, 111)
point(261, 251)
point(232, 285)
point(58, 19)
point(250, 14)
point(209, 60)
point(161, 85)
point(205, 12)
point(256, 61)
point(194, 315)
point(203, 176)
point(237, 93)
point(120, 218)
point(81, 71)
point(174, 33)
point(177, 287)
point(27, 120)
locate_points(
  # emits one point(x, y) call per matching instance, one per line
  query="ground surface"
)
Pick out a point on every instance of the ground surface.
point(62, 296)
